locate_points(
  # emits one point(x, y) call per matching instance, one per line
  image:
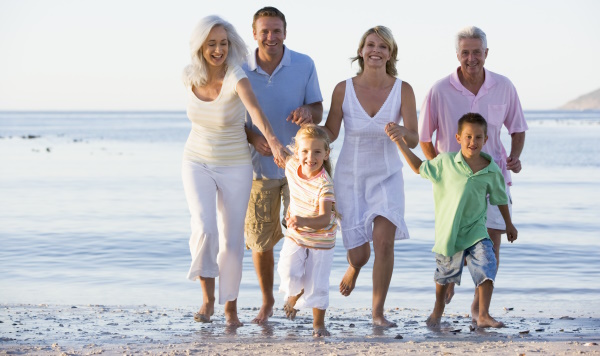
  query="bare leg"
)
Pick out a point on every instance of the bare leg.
point(319, 329)
point(264, 264)
point(383, 266)
point(208, 300)
point(435, 318)
point(231, 316)
point(357, 257)
point(485, 297)
point(449, 293)
point(289, 305)
point(496, 237)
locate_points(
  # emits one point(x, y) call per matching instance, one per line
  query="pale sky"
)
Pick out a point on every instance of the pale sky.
point(129, 54)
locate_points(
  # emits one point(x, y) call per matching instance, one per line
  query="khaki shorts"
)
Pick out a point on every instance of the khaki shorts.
point(263, 222)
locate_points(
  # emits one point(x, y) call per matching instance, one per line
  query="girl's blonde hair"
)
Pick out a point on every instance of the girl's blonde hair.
point(315, 132)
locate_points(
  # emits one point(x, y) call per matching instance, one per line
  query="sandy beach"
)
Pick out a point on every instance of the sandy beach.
point(93, 263)
point(107, 330)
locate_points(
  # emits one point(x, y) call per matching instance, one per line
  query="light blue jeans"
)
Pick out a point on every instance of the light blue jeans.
point(481, 262)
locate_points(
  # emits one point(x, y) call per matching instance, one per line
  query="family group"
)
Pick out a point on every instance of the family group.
point(255, 144)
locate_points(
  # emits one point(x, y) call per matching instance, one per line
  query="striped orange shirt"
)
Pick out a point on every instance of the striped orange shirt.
point(305, 197)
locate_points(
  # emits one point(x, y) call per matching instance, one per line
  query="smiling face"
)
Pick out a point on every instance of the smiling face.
point(375, 52)
point(269, 33)
point(471, 139)
point(471, 56)
point(215, 48)
point(311, 153)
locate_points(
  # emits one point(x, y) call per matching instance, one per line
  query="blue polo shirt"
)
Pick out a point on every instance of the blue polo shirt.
point(293, 83)
point(460, 200)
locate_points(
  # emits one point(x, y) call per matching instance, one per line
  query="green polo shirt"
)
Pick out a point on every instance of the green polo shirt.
point(460, 200)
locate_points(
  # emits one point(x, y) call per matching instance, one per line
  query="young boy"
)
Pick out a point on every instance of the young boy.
point(461, 182)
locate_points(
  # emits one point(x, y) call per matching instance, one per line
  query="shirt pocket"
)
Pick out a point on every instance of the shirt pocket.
point(496, 114)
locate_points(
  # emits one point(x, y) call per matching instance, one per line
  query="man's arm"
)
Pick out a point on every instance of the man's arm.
point(258, 141)
point(428, 150)
point(513, 163)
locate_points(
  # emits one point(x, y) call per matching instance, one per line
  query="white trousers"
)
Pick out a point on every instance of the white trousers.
point(217, 197)
point(305, 268)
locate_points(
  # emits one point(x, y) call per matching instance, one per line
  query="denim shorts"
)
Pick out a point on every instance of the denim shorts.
point(481, 262)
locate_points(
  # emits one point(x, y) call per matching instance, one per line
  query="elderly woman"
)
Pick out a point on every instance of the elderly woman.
point(368, 181)
point(217, 170)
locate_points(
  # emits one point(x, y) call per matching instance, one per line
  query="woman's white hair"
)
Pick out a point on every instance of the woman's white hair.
point(471, 32)
point(196, 72)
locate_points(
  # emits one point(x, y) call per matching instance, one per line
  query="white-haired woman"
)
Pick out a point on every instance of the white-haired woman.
point(217, 169)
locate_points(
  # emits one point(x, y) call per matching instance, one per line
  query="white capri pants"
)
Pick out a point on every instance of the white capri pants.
point(305, 268)
point(217, 197)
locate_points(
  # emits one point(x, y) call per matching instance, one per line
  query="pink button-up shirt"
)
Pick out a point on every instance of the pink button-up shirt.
point(448, 100)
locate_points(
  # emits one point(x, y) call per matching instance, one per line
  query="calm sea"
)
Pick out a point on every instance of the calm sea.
point(92, 211)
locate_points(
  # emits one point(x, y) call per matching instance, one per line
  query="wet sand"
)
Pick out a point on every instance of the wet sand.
point(103, 329)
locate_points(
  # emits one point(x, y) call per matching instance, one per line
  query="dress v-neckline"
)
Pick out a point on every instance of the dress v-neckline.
point(382, 105)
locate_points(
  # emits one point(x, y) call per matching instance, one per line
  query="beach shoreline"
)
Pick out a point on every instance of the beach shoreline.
point(101, 329)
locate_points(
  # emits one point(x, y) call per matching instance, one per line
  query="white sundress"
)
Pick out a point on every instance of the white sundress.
point(368, 178)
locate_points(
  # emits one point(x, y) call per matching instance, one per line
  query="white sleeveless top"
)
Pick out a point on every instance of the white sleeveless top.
point(368, 176)
point(217, 136)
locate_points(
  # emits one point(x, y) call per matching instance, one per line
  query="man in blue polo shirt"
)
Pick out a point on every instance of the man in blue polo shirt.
point(287, 88)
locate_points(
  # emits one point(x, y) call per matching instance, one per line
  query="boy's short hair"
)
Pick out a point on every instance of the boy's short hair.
point(472, 118)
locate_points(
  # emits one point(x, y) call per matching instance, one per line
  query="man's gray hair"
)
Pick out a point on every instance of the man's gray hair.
point(471, 32)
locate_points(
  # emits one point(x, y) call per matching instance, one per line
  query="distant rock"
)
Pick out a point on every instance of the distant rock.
point(590, 101)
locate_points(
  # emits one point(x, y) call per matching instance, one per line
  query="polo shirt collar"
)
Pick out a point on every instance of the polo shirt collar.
point(488, 83)
point(492, 167)
point(285, 61)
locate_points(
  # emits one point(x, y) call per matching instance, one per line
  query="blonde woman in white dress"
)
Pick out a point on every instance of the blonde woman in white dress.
point(217, 168)
point(368, 180)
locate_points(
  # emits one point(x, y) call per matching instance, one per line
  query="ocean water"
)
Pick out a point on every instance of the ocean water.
point(92, 211)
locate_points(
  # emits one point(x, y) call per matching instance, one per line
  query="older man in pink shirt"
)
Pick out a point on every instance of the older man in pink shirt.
point(472, 88)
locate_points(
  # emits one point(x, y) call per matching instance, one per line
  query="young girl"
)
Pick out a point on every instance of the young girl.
point(307, 252)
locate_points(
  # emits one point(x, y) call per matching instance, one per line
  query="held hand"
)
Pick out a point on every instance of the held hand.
point(511, 233)
point(279, 153)
point(294, 222)
point(260, 144)
point(395, 131)
point(513, 164)
point(300, 116)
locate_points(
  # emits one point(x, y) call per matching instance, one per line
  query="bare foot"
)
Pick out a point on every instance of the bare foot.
point(289, 305)
point(206, 311)
point(349, 280)
point(266, 311)
point(231, 316)
point(433, 322)
point(381, 321)
point(231, 319)
point(290, 312)
point(489, 322)
point(320, 332)
point(449, 293)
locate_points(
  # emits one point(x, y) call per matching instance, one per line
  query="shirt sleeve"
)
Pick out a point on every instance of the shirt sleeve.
point(432, 169)
point(515, 119)
point(313, 90)
point(326, 193)
point(428, 118)
point(497, 190)
point(237, 74)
